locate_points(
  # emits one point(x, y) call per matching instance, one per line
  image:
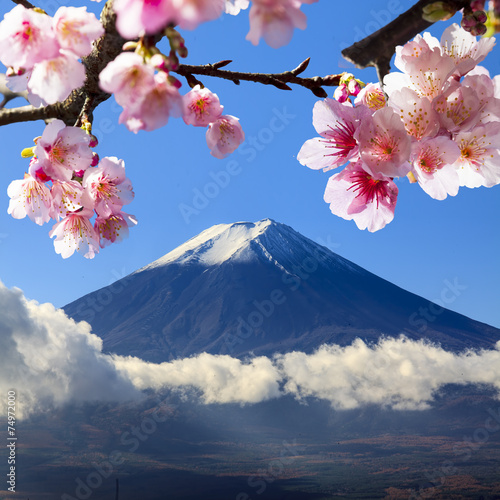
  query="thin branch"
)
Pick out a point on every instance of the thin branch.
point(279, 80)
point(24, 3)
point(29, 114)
point(378, 48)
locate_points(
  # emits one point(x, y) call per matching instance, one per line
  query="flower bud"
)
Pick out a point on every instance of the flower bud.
point(468, 22)
point(27, 152)
point(478, 30)
point(95, 160)
point(341, 93)
point(437, 11)
point(480, 16)
point(354, 87)
point(159, 61)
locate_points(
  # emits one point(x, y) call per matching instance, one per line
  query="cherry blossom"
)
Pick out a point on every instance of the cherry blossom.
point(26, 38)
point(76, 233)
point(190, 13)
point(36, 170)
point(417, 114)
point(224, 136)
point(426, 71)
point(371, 96)
point(465, 50)
point(336, 123)
point(29, 197)
point(128, 78)
point(479, 161)
point(62, 150)
point(136, 17)
point(354, 194)
point(458, 107)
point(432, 162)
point(384, 145)
point(438, 127)
point(66, 197)
point(275, 20)
point(155, 108)
point(201, 107)
point(54, 79)
point(108, 186)
point(76, 29)
point(114, 228)
point(484, 87)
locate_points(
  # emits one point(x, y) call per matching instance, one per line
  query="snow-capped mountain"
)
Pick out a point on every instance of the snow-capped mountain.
point(262, 288)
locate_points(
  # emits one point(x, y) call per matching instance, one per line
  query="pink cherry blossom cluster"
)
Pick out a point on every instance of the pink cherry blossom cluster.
point(440, 127)
point(273, 20)
point(67, 183)
point(148, 97)
point(141, 84)
point(202, 108)
point(42, 53)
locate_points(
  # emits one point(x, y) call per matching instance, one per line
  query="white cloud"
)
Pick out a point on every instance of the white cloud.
point(394, 373)
point(220, 378)
point(50, 360)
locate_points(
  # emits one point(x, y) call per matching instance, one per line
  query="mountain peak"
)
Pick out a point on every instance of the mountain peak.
point(223, 242)
point(260, 287)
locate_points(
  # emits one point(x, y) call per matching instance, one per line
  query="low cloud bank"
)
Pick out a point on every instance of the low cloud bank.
point(50, 360)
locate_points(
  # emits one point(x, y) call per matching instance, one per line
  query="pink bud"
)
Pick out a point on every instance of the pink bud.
point(341, 93)
point(158, 61)
point(93, 141)
point(173, 81)
point(353, 87)
point(95, 160)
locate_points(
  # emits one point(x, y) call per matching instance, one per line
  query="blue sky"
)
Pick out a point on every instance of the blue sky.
point(429, 245)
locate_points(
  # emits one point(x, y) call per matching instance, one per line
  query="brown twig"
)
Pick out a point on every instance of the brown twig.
point(378, 48)
point(24, 3)
point(29, 114)
point(279, 80)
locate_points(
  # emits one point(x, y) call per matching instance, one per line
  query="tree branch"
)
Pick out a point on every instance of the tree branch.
point(90, 95)
point(29, 114)
point(279, 80)
point(24, 3)
point(378, 48)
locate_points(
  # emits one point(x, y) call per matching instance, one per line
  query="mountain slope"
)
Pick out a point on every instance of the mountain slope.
point(262, 288)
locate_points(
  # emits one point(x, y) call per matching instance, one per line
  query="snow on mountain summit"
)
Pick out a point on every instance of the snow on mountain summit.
point(242, 242)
